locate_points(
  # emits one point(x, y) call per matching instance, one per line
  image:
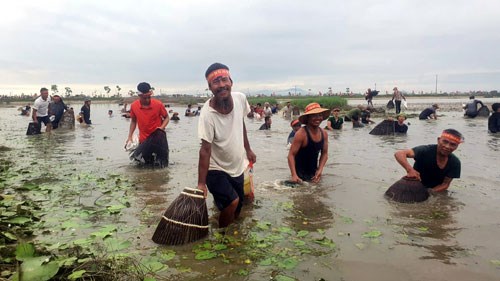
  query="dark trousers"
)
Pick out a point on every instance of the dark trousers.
point(398, 106)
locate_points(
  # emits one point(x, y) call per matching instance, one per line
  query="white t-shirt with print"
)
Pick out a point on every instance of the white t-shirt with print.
point(225, 133)
point(42, 106)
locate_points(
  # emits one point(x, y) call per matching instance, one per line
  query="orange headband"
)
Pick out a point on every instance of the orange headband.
point(451, 137)
point(217, 73)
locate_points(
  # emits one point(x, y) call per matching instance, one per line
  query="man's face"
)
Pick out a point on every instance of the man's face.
point(446, 146)
point(44, 94)
point(145, 99)
point(401, 119)
point(56, 99)
point(315, 120)
point(221, 87)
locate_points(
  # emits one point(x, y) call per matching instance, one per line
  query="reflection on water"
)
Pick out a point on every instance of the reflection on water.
point(493, 141)
point(430, 225)
point(309, 212)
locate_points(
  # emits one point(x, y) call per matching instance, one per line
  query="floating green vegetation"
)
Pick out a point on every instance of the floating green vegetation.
point(372, 234)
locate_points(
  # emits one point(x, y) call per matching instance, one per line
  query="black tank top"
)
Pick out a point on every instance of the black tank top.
point(306, 160)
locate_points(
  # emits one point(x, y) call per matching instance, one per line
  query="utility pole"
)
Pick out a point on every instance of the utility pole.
point(436, 84)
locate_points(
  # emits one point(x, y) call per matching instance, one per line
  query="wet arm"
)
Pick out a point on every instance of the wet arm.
point(203, 164)
point(133, 124)
point(402, 158)
point(443, 186)
point(165, 122)
point(322, 159)
point(33, 115)
point(250, 155)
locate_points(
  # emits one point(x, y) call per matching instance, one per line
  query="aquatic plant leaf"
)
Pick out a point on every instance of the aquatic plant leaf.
point(347, 220)
point(115, 209)
point(219, 247)
point(495, 262)
point(263, 225)
point(167, 255)
point(77, 274)
point(285, 229)
point(69, 224)
point(268, 261)
point(152, 264)
point(67, 262)
point(113, 244)
point(205, 255)
point(372, 234)
point(243, 272)
point(82, 242)
point(33, 269)
point(24, 251)
point(9, 235)
point(288, 263)
point(325, 242)
point(280, 277)
point(302, 233)
point(299, 243)
point(149, 279)
point(423, 228)
point(18, 220)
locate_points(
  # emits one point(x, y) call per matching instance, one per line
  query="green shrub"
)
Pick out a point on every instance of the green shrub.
point(325, 102)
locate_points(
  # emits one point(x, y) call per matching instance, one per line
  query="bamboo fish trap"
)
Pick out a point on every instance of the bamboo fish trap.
point(185, 220)
point(407, 190)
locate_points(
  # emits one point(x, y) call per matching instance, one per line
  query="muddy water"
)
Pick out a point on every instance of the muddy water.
point(452, 236)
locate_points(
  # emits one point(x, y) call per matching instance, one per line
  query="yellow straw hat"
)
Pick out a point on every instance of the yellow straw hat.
point(313, 108)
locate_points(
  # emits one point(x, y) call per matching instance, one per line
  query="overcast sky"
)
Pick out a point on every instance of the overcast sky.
point(272, 45)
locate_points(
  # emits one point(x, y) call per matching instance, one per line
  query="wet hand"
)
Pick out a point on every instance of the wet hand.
point(414, 174)
point(251, 156)
point(316, 178)
point(203, 188)
point(296, 179)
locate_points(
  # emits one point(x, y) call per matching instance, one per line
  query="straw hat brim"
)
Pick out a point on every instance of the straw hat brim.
point(324, 111)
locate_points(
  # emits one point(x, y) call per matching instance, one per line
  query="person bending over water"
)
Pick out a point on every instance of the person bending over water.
point(435, 164)
point(494, 119)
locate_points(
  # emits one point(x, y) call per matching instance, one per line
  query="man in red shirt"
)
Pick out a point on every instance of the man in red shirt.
point(150, 115)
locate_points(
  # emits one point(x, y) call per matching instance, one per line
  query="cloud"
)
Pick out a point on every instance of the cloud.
point(315, 44)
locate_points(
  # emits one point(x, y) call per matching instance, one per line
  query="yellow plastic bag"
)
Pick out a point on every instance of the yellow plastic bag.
point(248, 186)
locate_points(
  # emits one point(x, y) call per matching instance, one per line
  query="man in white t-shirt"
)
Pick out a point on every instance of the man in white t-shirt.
point(225, 151)
point(41, 111)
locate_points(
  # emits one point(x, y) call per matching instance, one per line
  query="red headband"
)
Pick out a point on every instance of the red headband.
point(217, 73)
point(451, 137)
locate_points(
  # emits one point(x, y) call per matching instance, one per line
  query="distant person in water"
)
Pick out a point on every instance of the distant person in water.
point(366, 115)
point(295, 124)
point(369, 97)
point(399, 124)
point(287, 110)
point(110, 113)
point(334, 122)
point(354, 115)
point(494, 119)
point(429, 113)
point(41, 111)
point(309, 142)
point(435, 165)
point(85, 112)
point(175, 117)
point(397, 97)
point(26, 110)
point(56, 109)
point(189, 111)
point(471, 109)
point(267, 123)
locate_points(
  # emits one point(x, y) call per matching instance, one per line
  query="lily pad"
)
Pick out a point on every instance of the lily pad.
point(288, 263)
point(325, 242)
point(113, 244)
point(205, 255)
point(34, 269)
point(18, 220)
point(77, 274)
point(25, 251)
point(372, 234)
point(280, 277)
point(302, 233)
point(9, 235)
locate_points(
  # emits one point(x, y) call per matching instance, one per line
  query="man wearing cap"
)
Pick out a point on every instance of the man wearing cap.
point(41, 111)
point(435, 165)
point(85, 111)
point(225, 150)
point(429, 113)
point(471, 109)
point(399, 124)
point(148, 114)
point(308, 143)
point(334, 122)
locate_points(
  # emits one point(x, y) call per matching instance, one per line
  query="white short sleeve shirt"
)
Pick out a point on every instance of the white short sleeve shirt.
point(42, 106)
point(225, 133)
